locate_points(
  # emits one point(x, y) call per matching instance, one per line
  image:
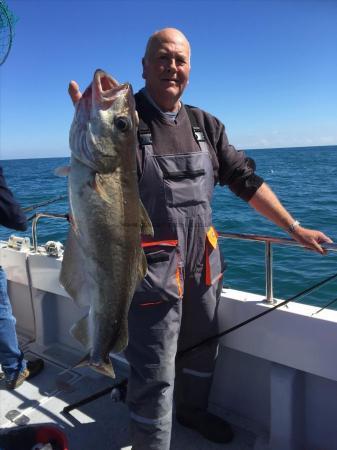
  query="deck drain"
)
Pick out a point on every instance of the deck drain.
point(16, 417)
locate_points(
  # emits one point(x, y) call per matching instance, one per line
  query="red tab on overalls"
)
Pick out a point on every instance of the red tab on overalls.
point(169, 243)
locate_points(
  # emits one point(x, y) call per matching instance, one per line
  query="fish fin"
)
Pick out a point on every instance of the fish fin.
point(62, 171)
point(136, 118)
point(80, 331)
point(146, 224)
point(98, 186)
point(142, 266)
point(104, 367)
point(73, 276)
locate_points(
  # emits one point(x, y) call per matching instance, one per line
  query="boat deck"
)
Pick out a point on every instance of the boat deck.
point(101, 424)
point(275, 379)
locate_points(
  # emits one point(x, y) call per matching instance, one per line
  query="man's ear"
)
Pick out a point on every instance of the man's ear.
point(144, 68)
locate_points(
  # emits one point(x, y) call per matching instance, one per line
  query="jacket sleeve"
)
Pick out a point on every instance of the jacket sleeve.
point(11, 215)
point(236, 169)
point(233, 167)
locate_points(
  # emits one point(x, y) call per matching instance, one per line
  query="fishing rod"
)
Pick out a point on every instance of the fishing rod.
point(47, 202)
point(325, 306)
point(118, 391)
point(182, 353)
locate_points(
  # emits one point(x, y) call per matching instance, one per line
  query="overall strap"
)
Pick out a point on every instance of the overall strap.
point(145, 136)
point(197, 131)
point(144, 133)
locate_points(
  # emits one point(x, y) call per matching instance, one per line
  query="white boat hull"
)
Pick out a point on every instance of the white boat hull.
point(275, 379)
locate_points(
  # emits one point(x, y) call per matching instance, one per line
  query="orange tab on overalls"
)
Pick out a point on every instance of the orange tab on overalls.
point(212, 240)
point(212, 236)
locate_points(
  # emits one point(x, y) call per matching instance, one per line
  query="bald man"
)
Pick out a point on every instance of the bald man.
point(183, 153)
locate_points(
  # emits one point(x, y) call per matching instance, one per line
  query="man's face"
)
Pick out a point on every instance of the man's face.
point(167, 67)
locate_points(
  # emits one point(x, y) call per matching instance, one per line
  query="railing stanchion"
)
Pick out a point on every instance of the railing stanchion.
point(34, 225)
point(269, 273)
point(269, 240)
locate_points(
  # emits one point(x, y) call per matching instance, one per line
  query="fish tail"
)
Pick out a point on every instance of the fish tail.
point(102, 367)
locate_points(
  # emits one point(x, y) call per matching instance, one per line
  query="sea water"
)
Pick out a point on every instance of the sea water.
point(304, 179)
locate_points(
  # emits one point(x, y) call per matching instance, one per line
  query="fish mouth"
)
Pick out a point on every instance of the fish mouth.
point(106, 89)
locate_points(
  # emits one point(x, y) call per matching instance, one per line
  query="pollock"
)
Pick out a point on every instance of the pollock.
point(103, 260)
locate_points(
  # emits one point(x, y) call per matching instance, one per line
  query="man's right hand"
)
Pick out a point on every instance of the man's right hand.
point(74, 92)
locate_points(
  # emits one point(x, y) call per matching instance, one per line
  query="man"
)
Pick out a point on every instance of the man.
point(15, 369)
point(183, 153)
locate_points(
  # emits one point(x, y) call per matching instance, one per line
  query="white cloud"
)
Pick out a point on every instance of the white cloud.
point(328, 140)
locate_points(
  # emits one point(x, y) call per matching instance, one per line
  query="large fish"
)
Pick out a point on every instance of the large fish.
point(103, 259)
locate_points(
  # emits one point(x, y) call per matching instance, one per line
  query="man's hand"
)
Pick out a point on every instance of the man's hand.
point(74, 92)
point(311, 239)
point(266, 203)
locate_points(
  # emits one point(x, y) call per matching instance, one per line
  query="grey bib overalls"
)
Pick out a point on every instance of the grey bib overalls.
point(175, 305)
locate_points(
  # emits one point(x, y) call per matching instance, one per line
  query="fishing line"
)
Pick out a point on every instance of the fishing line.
point(47, 202)
point(241, 324)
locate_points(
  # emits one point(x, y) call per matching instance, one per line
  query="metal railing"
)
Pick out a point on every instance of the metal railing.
point(269, 240)
point(37, 217)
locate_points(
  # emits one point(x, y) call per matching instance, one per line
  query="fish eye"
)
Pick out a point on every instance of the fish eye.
point(122, 123)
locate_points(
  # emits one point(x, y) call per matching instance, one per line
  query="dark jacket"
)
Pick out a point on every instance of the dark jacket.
point(11, 215)
point(231, 167)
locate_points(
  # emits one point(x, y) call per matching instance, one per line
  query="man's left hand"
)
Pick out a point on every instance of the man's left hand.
point(311, 239)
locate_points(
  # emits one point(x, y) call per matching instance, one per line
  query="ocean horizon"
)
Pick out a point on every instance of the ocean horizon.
point(333, 146)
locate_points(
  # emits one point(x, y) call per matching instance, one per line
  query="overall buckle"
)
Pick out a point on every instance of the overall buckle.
point(198, 134)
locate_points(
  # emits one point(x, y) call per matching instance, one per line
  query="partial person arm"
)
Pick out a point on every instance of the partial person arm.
point(75, 95)
point(11, 215)
point(265, 202)
point(238, 172)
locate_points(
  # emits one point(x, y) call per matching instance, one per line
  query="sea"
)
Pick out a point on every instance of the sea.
point(304, 179)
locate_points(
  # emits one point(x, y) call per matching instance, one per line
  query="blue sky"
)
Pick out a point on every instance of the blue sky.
point(267, 69)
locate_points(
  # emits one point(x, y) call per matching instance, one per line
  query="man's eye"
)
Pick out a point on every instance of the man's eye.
point(122, 123)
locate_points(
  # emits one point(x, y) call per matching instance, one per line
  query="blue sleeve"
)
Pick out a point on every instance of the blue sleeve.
point(11, 215)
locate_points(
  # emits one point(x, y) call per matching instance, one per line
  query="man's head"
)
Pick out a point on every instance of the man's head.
point(166, 67)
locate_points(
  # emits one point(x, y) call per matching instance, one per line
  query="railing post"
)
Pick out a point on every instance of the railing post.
point(269, 273)
point(34, 232)
point(34, 225)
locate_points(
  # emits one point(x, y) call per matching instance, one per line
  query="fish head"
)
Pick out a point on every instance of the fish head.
point(104, 130)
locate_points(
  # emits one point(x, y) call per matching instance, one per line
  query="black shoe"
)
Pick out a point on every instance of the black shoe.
point(208, 425)
point(33, 368)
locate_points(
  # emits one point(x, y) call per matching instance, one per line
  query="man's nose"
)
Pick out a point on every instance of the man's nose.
point(172, 66)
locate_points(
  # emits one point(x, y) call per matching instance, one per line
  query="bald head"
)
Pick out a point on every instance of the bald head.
point(165, 35)
point(166, 68)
